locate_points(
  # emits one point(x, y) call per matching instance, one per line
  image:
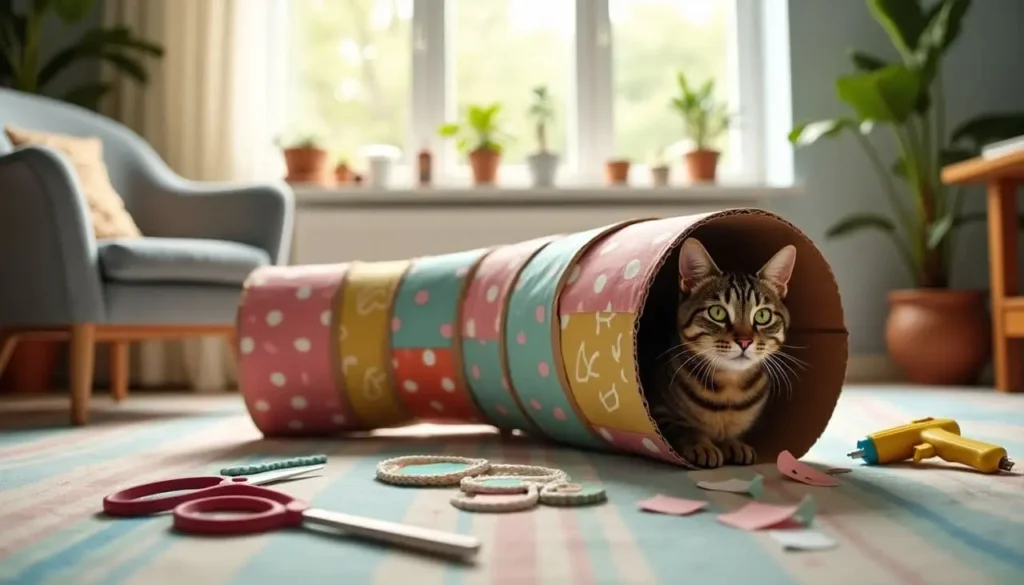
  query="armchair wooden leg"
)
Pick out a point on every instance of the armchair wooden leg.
point(8, 342)
point(82, 357)
point(119, 352)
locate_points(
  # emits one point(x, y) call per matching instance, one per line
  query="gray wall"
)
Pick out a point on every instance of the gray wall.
point(982, 73)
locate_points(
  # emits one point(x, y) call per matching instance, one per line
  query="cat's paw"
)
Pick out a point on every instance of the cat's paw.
point(703, 453)
point(738, 452)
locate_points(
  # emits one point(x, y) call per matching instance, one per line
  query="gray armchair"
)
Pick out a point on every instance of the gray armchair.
point(184, 278)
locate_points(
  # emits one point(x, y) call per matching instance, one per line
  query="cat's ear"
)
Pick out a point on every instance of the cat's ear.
point(779, 269)
point(695, 265)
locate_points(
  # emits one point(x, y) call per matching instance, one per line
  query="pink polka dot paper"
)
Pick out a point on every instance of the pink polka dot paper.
point(286, 350)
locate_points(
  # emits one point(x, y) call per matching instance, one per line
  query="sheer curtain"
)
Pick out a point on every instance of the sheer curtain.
point(211, 109)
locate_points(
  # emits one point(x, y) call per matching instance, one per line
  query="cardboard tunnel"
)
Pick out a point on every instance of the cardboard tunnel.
point(555, 337)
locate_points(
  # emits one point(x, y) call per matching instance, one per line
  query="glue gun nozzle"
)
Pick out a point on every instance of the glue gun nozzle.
point(859, 454)
point(1005, 464)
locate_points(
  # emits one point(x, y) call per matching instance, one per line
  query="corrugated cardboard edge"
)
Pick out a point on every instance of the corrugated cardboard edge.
point(506, 372)
point(250, 280)
point(702, 220)
point(352, 423)
point(456, 341)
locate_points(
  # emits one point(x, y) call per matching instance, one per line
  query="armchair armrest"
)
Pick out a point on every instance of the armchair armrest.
point(49, 269)
point(260, 215)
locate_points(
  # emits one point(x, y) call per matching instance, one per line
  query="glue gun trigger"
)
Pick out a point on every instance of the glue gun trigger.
point(923, 451)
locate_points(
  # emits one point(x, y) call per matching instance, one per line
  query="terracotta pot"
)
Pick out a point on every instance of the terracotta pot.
point(31, 368)
point(484, 163)
point(660, 176)
point(939, 336)
point(702, 165)
point(343, 174)
point(306, 165)
point(616, 172)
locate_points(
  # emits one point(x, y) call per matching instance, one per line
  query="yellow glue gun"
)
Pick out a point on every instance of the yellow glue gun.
point(931, 437)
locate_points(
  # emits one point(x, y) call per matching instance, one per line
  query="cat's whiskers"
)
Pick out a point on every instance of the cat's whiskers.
point(792, 360)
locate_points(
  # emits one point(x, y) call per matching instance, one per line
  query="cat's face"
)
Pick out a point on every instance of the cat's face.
point(733, 320)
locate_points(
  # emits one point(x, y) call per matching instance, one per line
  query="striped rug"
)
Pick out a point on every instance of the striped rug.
point(893, 524)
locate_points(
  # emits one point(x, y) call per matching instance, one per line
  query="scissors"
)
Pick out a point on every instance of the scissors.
point(258, 509)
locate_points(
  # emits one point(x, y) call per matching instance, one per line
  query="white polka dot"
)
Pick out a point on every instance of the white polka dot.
point(607, 435)
point(492, 293)
point(394, 363)
point(632, 269)
point(574, 274)
point(436, 405)
point(429, 358)
point(448, 384)
point(262, 406)
point(277, 379)
point(302, 344)
point(274, 318)
point(299, 402)
point(564, 321)
point(609, 247)
point(650, 446)
point(471, 329)
point(338, 419)
point(303, 292)
point(599, 283)
point(247, 345)
point(325, 318)
point(295, 425)
point(410, 386)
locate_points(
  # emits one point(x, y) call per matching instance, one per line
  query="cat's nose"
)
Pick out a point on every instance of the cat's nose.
point(743, 342)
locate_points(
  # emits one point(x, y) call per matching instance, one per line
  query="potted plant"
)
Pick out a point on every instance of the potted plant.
point(543, 163)
point(306, 160)
point(660, 169)
point(616, 171)
point(705, 119)
point(342, 171)
point(480, 137)
point(934, 334)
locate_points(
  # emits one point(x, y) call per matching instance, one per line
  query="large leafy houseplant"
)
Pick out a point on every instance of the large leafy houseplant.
point(905, 97)
point(22, 47)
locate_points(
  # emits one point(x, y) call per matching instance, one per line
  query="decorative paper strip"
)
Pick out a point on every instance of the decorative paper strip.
point(482, 333)
point(426, 351)
point(364, 342)
point(286, 350)
point(532, 336)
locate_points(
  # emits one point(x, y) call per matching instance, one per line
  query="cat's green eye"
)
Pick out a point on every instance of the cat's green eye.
point(717, 313)
point(763, 316)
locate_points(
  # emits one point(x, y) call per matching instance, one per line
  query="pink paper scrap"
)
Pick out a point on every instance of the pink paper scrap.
point(803, 473)
point(758, 515)
point(660, 504)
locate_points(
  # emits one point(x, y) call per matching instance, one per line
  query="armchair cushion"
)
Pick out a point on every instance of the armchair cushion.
point(179, 260)
point(109, 217)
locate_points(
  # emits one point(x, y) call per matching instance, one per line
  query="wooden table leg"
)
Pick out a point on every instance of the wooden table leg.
point(82, 355)
point(119, 370)
point(1004, 280)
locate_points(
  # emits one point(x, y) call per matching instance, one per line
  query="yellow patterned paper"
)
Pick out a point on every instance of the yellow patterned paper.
point(364, 335)
point(597, 350)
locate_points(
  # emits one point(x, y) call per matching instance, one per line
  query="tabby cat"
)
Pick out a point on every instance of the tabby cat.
point(715, 381)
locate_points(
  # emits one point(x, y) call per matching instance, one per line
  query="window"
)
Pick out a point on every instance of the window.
point(393, 71)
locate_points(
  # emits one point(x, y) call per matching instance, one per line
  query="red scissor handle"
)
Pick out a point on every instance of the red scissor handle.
point(263, 510)
point(146, 499)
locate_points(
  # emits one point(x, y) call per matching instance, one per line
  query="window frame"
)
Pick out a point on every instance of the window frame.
point(589, 119)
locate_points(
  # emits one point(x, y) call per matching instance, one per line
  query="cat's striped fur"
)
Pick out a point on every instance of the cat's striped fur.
point(715, 381)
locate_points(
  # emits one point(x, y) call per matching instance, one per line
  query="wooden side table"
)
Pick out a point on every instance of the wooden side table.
point(1003, 176)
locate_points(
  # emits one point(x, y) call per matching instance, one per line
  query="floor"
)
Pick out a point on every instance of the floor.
point(928, 525)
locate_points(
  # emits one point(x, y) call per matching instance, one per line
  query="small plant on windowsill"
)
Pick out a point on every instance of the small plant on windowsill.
point(481, 138)
point(306, 160)
point(543, 163)
point(660, 169)
point(705, 119)
point(343, 171)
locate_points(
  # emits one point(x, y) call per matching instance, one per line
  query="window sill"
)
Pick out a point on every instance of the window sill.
point(725, 194)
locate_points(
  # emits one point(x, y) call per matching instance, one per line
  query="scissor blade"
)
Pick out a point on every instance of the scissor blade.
point(278, 475)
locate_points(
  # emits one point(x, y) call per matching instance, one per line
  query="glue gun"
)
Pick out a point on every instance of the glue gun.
point(931, 437)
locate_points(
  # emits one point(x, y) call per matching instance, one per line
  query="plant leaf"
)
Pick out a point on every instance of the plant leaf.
point(72, 11)
point(811, 132)
point(888, 94)
point(903, 20)
point(860, 221)
point(448, 130)
point(865, 61)
point(944, 22)
point(938, 231)
point(989, 128)
point(87, 95)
